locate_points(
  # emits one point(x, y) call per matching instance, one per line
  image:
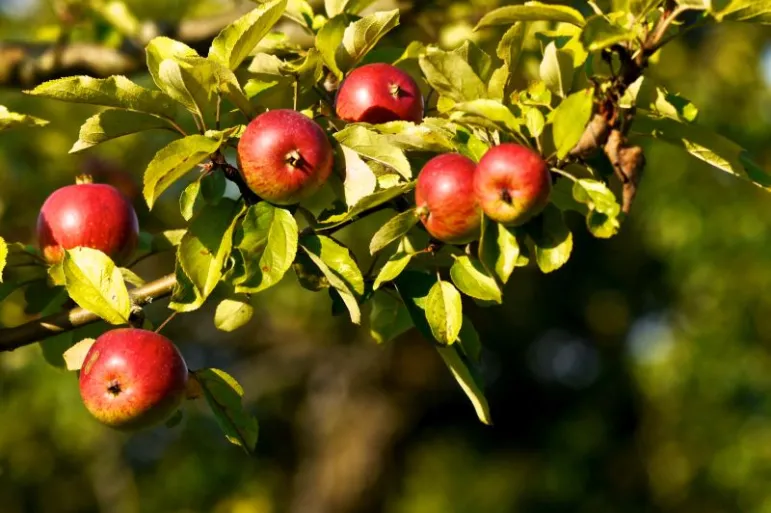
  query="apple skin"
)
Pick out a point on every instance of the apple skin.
point(284, 157)
point(92, 215)
point(444, 195)
point(132, 379)
point(512, 184)
point(379, 93)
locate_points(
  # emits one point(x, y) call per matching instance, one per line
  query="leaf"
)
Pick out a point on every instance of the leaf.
point(467, 381)
point(498, 249)
point(117, 91)
point(557, 69)
point(444, 312)
point(531, 11)
point(74, 356)
point(600, 200)
point(362, 35)
point(703, 144)
point(509, 47)
point(174, 161)
point(223, 394)
point(642, 7)
point(96, 284)
point(426, 136)
point(359, 181)
point(236, 41)
point(339, 268)
point(451, 76)
point(478, 59)
point(468, 340)
point(335, 7)
point(328, 42)
point(388, 319)
point(645, 94)
point(755, 11)
point(112, 124)
point(188, 200)
point(392, 268)
point(10, 120)
point(374, 146)
point(396, 227)
point(3, 257)
point(552, 239)
point(331, 219)
point(599, 33)
point(470, 276)
point(163, 64)
point(233, 313)
point(570, 119)
point(131, 277)
point(202, 254)
point(267, 241)
point(491, 110)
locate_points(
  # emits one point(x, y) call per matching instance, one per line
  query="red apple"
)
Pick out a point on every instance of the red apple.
point(132, 378)
point(284, 156)
point(87, 214)
point(512, 184)
point(378, 93)
point(444, 195)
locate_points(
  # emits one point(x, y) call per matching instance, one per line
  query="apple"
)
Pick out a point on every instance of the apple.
point(379, 93)
point(444, 195)
point(284, 156)
point(512, 184)
point(132, 378)
point(87, 214)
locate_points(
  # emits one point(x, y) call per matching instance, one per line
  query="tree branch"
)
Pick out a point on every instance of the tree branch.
point(39, 329)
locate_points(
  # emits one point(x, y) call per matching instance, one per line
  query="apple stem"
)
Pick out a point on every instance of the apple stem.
point(294, 159)
point(84, 179)
point(396, 91)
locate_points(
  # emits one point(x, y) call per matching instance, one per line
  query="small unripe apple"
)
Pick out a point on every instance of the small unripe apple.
point(132, 379)
point(379, 93)
point(87, 214)
point(444, 195)
point(284, 157)
point(512, 184)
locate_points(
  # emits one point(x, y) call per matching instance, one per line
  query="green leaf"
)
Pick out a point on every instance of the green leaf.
point(203, 252)
point(467, 381)
point(470, 276)
point(491, 110)
point(131, 277)
point(112, 124)
point(469, 342)
point(570, 119)
point(604, 209)
point(599, 33)
point(703, 144)
point(498, 249)
point(755, 11)
point(396, 227)
point(451, 76)
point(3, 257)
point(375, 147)
point(267, 241)
point(10, 120)
point(223, 394)
point(233, 313)
point(75, 355)
point(426, 136)
point(335, 7)
point(331, 219)
point(359, 180)
point(328, 42)
point(117, 91)
point(236, 41)
point(552, 239)
point(339, 268)
point(444, 312)
point(531, 11)
point(509, 47)
point(162, 54)
point(642, 7)
point(388, 319)
point(413, 287)
point(96, 284)
point(174, 161)
point(478, 59)
point(362, 35)
point(645, 94)
point(557, 69)
point(188, 200)
point(392, 268)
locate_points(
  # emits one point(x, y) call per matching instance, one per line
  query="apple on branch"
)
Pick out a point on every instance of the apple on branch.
point(284, 157)
point(87, 214)
point(379, 93)
point(512, 184)
point(444, 195)
point(132, 379)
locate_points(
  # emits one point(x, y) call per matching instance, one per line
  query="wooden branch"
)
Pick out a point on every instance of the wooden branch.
point(39, 329)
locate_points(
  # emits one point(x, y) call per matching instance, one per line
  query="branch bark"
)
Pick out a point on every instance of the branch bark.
point(33, 331)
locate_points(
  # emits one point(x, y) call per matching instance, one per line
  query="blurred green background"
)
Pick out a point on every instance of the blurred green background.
point(637, 378)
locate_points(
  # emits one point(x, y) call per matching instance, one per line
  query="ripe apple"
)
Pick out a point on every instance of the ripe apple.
point(87, 214)
point(132, 378)
point(378, 93)
point(284, 156)
point(512, 184)
point(444, 195)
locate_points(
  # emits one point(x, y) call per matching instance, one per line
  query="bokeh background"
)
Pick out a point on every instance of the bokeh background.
point(637, 378)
